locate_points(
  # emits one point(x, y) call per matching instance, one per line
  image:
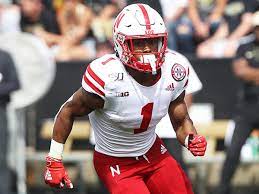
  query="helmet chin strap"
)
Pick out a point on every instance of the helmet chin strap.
point(151, 59)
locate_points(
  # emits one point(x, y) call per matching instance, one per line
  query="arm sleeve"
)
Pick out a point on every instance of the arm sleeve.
point(10, 80)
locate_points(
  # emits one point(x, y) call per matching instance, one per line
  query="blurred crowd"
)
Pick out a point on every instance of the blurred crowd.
point(82, 29)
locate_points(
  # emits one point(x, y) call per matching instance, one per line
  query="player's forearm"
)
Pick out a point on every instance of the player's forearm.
point(62, 127)
point(184, 129)
point(180, 119)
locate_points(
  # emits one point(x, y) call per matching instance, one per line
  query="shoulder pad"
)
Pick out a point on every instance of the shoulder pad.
point(175, 57)
point(96, 75)
point(177, 66)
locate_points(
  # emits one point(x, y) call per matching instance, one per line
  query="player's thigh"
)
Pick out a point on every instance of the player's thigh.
point(119, 178)
point(129, 186)
point(169, 179)
point(122, 183)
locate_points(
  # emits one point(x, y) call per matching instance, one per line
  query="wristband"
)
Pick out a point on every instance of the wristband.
point(56, 149)
point(187, 140)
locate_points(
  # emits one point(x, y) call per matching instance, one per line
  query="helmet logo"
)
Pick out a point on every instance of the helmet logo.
point(178, 72)
point(149, 31)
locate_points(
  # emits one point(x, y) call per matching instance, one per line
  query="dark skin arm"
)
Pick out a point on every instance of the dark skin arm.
point(82, 103)
point(180, 119)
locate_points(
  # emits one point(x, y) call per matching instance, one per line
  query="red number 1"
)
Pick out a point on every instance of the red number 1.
point(147, 114)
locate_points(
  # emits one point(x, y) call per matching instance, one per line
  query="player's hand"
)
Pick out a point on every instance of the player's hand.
point(197, 144)
point(55, 174)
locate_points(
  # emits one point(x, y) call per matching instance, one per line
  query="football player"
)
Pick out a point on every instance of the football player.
point(125, 95)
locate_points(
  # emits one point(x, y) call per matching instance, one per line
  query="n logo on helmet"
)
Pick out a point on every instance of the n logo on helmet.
point(149, 31)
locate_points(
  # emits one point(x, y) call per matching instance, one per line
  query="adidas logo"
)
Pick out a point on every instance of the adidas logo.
point(48, 176)
point(170, 87)
point(163, 149)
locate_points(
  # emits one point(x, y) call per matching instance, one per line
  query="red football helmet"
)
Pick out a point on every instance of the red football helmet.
point(135, 26)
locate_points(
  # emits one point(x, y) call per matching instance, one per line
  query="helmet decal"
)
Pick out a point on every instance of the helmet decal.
point(119, 19)
point(146, 17)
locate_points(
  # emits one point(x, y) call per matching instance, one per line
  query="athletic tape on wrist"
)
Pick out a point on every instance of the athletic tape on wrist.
point(56, 149)
point(186, 141)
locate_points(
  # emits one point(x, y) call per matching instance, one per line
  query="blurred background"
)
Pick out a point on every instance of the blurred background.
point(51, 42)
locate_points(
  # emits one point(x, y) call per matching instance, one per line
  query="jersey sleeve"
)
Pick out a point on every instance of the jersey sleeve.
point(194, 83)
point(93, 80)
point(180, 72)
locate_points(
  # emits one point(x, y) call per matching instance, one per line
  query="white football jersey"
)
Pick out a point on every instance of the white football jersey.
point(125, 127)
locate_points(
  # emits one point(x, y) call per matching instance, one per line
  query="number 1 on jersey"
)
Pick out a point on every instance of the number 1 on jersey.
point(146, 111)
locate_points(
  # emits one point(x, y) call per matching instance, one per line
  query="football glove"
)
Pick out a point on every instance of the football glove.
point(55, 174)
point(197, 144)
